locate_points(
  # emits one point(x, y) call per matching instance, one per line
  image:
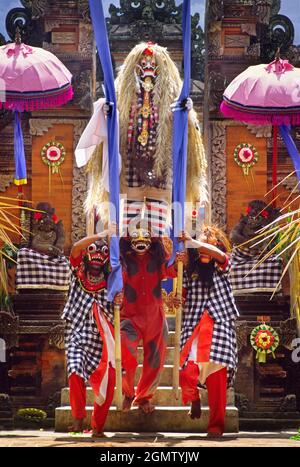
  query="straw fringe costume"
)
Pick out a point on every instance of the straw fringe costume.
point(146, 122)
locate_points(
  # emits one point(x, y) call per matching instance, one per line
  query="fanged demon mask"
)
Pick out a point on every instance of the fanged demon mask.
point(213, 236)
point(94, 268)
point(140, 240)
point(147, 66)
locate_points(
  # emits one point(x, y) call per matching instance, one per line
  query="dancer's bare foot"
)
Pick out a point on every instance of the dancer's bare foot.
point(77, 426)
point(98, 434)
point(146, 406)
point(127, 403)
point(195, 411)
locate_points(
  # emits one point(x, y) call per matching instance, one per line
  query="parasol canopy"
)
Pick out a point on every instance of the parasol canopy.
point(265, 95)
point(31, 78)
point(34, 78)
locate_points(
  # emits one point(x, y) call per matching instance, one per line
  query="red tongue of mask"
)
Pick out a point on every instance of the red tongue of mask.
point(91, 272)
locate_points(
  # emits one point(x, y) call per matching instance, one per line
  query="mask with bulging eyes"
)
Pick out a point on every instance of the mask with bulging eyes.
point(209, 237)
point(140, 241)
point(147, 67)
point(94, 268)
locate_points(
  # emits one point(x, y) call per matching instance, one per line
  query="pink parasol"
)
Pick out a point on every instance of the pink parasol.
point(34, 78)
point(31, 78)
point(265, 95)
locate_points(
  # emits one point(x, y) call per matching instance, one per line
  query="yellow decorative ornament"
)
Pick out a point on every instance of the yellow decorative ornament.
point(265, 340)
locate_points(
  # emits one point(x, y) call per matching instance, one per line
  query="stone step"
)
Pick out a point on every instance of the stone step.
point(164, 396)
point(6, 423)
point(271, 415)
point(268, 424)
point(163, 419)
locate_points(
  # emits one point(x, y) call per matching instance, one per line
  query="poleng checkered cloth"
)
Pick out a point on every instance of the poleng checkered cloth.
point(39, 271)
point(219, 303)
point(262, 279)
point(156, 213)
point(82, 338)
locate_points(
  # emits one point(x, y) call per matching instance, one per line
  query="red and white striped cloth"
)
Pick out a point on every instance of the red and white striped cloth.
point(155, 214)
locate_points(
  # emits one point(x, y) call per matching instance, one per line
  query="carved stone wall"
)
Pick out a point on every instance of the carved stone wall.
point(217, 174)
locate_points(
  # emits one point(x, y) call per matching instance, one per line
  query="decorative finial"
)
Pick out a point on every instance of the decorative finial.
point(18, 37)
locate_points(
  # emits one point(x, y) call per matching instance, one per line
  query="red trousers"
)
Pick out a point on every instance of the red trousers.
point(152, 330)
point(78, 400)
point(216, 384)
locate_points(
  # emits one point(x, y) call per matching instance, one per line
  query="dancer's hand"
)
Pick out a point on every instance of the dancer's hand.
point(113, 229)
point(187, 104)
point(181, 256)
point(178, 301)
point(107, 108)
point(186, 238)
point(118, 300)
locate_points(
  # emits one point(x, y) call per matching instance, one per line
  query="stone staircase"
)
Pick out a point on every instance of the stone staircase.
point(170, 415)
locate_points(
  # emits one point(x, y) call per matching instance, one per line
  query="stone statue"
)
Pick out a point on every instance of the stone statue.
point(48, 235)
point(41, 264)
point(258, 215)
point(246, 276)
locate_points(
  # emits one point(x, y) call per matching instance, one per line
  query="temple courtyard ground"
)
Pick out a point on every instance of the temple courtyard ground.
point(45, 438)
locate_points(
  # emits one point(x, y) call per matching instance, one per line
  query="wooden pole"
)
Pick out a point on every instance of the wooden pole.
point(117, 327)
point(178, 320)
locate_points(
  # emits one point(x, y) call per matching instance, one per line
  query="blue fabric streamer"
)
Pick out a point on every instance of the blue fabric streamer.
point(19, 152)
point(115, 282)
point(180, 135)
point(291, 147)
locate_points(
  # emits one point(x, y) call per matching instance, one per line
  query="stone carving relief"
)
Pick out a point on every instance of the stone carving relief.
point(215, 10)
point(79, 191)
point(82, 85)
point(253, 50)
point(241, 334)
point(217, 84)
point(9, 329)
point(56, 336)
point(84, 10)
point(262, 9)
point(52, 24)
point(288, 332)
point(260, 131)
point(37, 7)
point(218, 173)
point(5, 181)
point(86, 39)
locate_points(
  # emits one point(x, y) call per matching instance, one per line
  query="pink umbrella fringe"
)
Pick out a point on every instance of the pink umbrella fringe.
point(258, 119)
point(37, 102)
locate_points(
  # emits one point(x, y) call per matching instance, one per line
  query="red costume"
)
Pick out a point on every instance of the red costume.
point(90, 335)
point(208, 340)
point(143, 318)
